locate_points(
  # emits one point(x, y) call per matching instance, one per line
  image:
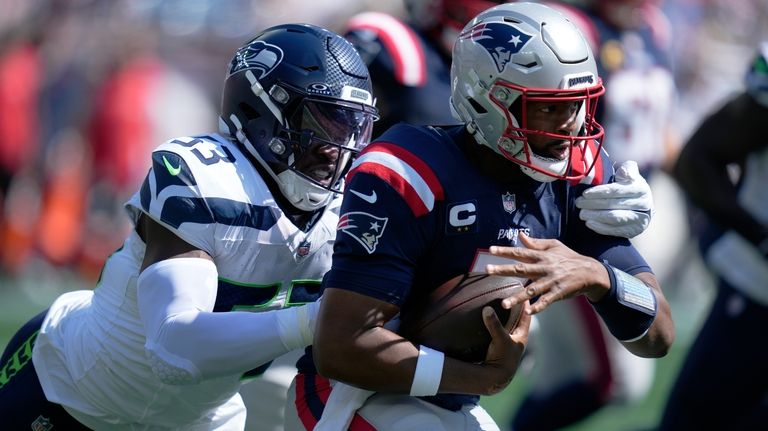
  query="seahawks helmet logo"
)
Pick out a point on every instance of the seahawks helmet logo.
point(501, 40)
point(261, 57)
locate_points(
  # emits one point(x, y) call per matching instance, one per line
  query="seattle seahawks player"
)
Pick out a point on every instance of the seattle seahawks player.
point(233, 232)
point(422, 203)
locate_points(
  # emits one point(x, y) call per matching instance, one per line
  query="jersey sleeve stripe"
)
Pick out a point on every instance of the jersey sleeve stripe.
point(400, 41)
point(418, 203)
point(404, 172)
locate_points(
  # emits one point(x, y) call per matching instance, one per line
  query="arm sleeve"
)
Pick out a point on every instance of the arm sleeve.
point(185, 341)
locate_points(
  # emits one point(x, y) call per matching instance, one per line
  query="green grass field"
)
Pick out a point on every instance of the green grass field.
point(20, 300)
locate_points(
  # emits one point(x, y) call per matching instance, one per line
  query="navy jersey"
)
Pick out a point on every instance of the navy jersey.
point(416, 213)
point(411, 76)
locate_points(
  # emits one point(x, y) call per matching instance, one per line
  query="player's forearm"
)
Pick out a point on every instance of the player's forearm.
point(637, 313)
point(210, 345)
point(659, 338)
point(186, 342)
point(382, 361)
point(376, 359)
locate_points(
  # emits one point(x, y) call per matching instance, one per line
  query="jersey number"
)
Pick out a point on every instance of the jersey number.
point(215, 156)
point(233, 296)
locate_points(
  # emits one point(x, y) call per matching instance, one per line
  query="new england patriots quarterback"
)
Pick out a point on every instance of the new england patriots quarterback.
point(409, 61)
point(233, 233)
point(422, 203)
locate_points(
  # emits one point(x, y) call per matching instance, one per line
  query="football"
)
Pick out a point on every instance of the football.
point(451, 321)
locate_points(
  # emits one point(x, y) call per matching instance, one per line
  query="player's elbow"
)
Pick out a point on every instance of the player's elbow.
point(169, 368)
point(326, 353)
point(170, 364)
point(656, 343)
point(662, 341)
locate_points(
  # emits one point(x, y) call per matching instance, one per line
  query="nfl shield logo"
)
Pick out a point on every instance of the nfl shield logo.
point(508, 200)
point(304, 248)
point(42, 423)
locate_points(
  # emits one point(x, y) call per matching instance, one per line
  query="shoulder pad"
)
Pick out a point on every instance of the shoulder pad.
point(403, 170)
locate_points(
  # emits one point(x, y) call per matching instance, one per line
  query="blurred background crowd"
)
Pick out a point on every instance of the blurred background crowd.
point(89, 87)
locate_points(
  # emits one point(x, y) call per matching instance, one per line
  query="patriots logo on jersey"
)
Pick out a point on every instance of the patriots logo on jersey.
point(501, 40)
point(363, 227)
point(258, 56)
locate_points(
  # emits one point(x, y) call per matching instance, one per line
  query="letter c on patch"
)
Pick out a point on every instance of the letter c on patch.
point(462, 215)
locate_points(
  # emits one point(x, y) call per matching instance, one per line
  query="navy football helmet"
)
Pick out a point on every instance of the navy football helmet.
point(298, 98)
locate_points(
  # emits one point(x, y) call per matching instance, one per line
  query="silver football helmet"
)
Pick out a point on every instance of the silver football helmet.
point(518, 53)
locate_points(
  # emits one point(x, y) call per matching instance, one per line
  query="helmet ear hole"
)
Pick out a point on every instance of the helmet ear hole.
point(476, 106)
point(249, 111)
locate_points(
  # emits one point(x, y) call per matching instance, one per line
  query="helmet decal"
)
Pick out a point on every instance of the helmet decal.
point(258, 56)
point(501, 40)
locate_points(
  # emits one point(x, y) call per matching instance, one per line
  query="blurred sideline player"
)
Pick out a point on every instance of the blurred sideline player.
point(421, 201)
point(409, 64)
point(233, 232)
point(729, 354)
point(631, 40)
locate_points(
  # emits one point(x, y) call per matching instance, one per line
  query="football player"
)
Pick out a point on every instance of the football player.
point(233, 232)
point(422, 202)
point(735, 248)
point(409, 62)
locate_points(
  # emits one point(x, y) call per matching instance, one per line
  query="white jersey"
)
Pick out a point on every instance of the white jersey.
point(90, 354)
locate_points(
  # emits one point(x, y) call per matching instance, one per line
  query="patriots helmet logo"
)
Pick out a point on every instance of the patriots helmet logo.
point(258, 56)
point(501, 40)
point(363, 227)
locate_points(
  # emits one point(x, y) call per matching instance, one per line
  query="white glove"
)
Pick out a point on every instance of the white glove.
point(623, 208)
point(341, 407)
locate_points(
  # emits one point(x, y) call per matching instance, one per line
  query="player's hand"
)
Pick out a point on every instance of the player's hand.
point(507, 347)
point(623, 208)
point(556, 272)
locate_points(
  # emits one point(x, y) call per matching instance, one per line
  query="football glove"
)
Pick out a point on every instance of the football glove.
point(622, 208)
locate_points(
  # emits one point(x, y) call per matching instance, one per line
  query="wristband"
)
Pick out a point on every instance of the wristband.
point(429, 372)
point(629, 308)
